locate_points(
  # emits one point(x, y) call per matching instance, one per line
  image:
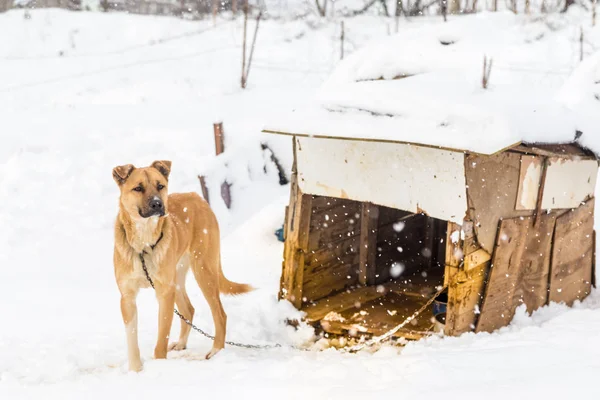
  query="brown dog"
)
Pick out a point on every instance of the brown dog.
point(173, 232)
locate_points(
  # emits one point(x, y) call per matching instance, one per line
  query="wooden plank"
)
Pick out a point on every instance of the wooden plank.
point(519, 271)
point(454, 257)
point(348, 212)
point(343, 301)
point(498, 307)
point(492, 193)
point(466, 291)
point(368, 243)
point(476, 258)
point(566, 150)
point(380, 315)
point(572, 255)
point(296, 246)
point(285, 282)
point(532, 283)
point(466, 287)
point(328, 256)
point(333, 231)
point(296, 242)
point(331, 277)
point(416, 286)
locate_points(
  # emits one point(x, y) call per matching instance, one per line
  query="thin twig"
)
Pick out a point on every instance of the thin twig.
point(258, 17)
point(244, 44)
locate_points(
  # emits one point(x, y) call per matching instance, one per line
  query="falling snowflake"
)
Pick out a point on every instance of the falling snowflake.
point(399, 226)
point(397, 269)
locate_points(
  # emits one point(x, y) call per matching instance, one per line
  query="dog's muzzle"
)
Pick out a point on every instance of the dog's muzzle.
point(155, 208)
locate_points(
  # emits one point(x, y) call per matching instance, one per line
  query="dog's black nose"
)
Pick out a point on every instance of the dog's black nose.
point(156, 204)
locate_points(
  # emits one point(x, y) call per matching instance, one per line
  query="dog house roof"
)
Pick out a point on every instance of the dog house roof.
point(425, 87)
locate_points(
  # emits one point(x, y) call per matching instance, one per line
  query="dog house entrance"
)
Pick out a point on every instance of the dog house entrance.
point(370, 267)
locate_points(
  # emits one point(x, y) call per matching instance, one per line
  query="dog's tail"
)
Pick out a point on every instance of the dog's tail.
point(233, 288)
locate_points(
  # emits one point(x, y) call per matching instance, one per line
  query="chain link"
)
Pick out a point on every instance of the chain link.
point(388, 335)
point(369, 343)
point(202, 332)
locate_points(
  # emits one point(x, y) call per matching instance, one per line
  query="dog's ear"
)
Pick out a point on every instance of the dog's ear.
point(164, 167)
point(122, 172)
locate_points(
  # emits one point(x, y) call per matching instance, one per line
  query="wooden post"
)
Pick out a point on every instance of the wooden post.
point(594, 12)
point(234, 7)
point(342, 42)
point(219, 149)
point(204, 188)
point(219, 137)
point(454, 257)
point(466, 281)
point(296, 241)
point(369, 217)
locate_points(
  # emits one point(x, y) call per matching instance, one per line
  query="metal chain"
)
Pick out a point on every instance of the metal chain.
point(388, 335)
point(369, 343)
point(194, 327)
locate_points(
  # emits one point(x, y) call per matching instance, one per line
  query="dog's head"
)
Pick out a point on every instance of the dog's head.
point(144, 191)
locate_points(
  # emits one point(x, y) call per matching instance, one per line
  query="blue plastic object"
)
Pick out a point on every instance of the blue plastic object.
point(279, 234)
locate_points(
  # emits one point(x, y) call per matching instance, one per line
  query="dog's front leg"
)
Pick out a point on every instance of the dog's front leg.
point(129, 312)
point(166, 304)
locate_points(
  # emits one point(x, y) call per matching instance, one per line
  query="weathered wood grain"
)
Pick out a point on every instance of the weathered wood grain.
point(467, 283)
point(492, 193)
point(368, 243)
point(498, 307)
point(454, 257)
point(572, 255)
point(519, 270)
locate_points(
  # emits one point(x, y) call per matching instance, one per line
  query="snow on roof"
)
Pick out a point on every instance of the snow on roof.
point(423, 86)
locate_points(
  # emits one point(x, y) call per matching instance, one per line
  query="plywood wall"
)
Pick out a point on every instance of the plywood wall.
point(331, 263)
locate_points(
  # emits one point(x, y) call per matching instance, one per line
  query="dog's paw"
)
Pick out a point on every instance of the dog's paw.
point(177, 346)
point(212, 352)
point(136, 366)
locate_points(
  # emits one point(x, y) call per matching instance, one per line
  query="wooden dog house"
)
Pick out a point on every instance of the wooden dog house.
point(412, 172)
point(375, 227)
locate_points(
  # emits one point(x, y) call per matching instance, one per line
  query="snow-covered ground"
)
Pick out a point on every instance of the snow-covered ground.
point(81, 93)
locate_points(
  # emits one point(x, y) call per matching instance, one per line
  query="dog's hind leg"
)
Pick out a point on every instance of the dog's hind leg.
point(206, 271)
point(183, 304)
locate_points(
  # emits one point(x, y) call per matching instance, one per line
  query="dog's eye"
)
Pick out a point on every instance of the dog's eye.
point(138, 188)
point(160, 186)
